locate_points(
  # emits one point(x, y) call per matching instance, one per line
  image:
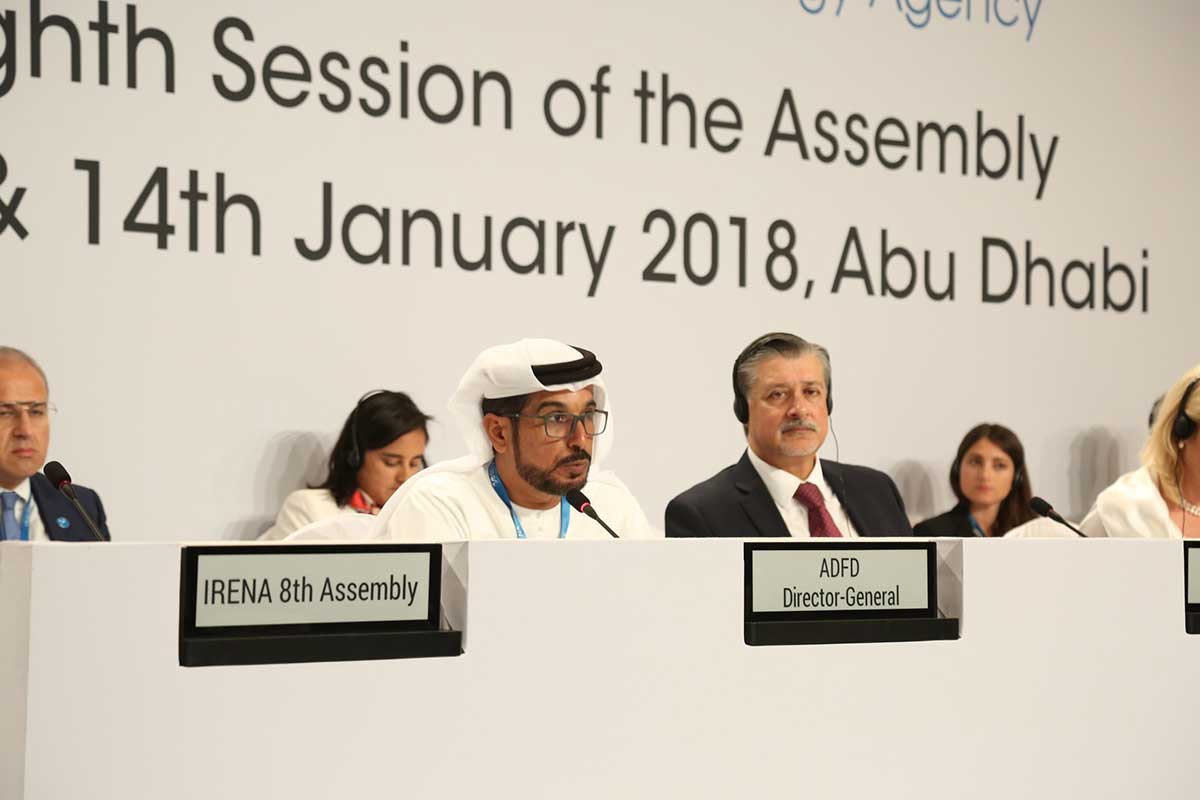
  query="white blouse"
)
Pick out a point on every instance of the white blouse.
point(1132, 506)
point(302, 508)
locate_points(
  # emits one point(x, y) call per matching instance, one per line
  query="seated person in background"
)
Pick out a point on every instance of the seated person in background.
point(783, 396)
point(991, 482)
point(535, 416)
point(1154, 411)
point(25, 411)
point(1162, 499)
point(381, 446)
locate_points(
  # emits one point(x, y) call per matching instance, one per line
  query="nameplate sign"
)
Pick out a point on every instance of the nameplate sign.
point(822, 592)
point(870, 579)
point(275, 603)
point(1191, 586)
point(1191, 552)
point(304, 588)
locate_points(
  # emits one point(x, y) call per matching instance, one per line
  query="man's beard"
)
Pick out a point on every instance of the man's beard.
point(543, 480)
point(798, 450)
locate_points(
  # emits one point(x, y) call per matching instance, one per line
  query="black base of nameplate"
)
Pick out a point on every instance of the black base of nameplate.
point(1192, 621)
point(850, 631)
point(303, 648)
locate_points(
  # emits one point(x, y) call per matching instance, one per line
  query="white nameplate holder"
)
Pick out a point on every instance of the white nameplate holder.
point(1191, 587)
point(274, 604)
point(828, 592)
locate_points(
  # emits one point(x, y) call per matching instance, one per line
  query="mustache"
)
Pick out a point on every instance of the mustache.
point(578, 455)
point(797, 425)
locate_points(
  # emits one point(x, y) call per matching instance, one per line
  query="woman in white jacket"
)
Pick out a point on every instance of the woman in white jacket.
point(1162, 499)
point(382, 444)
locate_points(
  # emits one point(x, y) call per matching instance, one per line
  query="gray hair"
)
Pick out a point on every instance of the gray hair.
point(777, 344)
point(13, 353)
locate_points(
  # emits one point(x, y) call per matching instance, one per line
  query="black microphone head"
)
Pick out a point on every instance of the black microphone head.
point(579, 501)
point(57, 474)
point(1040, 506)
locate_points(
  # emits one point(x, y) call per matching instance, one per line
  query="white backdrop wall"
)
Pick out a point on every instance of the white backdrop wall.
point(197, 388)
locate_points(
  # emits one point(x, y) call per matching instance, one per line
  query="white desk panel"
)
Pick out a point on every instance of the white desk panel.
point(602, 669)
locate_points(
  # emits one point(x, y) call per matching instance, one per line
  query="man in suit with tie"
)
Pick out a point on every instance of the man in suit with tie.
point(783, 396)
point(31, 509)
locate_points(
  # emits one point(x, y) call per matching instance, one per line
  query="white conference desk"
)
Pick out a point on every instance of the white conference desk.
point(601, 670)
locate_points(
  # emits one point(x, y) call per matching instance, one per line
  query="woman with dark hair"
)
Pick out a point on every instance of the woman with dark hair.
point(382, 444)
point(991, 482)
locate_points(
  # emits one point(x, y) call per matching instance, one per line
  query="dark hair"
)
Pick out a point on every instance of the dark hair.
point(1014, 509)
point(504, 406)
point(378, 419)
point(788, 345)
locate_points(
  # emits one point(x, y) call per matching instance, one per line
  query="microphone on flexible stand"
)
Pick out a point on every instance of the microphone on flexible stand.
point(580, 503)
point(57, 474)
point(1044, 509)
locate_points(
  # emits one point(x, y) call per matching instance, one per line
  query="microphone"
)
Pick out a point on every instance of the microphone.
point(1044, 509)
point(57, 474)
point(580, 503)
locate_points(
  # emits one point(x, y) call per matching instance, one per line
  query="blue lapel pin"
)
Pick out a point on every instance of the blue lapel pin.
point(63, 522)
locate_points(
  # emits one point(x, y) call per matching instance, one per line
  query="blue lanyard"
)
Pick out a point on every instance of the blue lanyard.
point(498, 485)
point(976, 528)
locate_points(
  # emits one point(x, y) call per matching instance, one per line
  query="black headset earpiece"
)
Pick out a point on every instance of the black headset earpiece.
point(741, 406)
point(741, 409)
point(355, 459)
point(1184, 426)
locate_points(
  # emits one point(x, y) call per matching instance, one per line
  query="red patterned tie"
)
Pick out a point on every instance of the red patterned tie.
point(819, 521)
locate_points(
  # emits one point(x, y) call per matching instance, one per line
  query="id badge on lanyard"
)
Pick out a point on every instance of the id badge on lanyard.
point(498, 485)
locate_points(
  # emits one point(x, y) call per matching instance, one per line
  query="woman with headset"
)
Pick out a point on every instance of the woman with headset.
point(382, 444)
point(1162, 498)
point(991, 482)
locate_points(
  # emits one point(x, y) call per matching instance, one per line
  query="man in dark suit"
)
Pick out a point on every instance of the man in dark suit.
point(31, 508)
point(782, 387)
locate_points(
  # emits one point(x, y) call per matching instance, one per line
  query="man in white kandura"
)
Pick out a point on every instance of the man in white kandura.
point(536, 418)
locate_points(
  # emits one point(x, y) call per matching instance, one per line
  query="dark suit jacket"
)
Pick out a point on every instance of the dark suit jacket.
point(954, 522)
point(735, 502)
point(62, 521)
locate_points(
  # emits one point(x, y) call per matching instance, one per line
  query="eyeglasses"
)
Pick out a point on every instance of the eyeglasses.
point(38, 412)
point(560, 425)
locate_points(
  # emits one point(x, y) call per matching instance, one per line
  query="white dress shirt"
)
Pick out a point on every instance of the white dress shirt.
point(783, 485)
point(37, 531)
